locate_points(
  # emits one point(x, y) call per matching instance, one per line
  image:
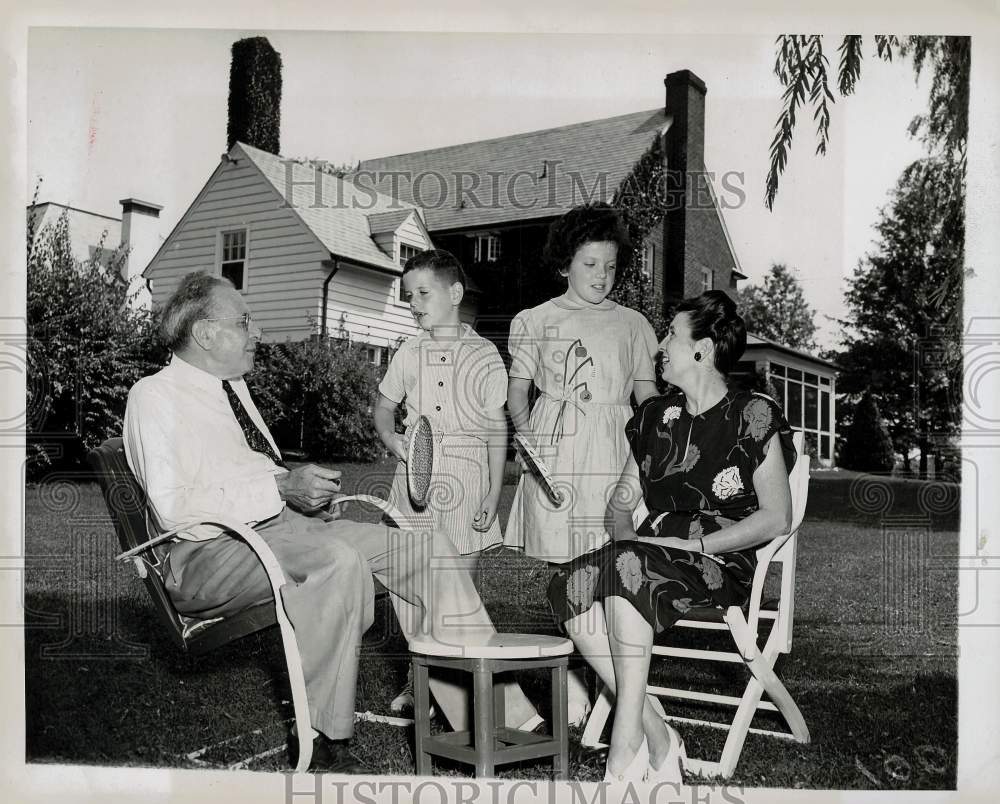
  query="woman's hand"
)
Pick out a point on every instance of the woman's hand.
point(671, 541)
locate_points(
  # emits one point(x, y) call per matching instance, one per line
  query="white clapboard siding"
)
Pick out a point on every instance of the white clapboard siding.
point(284, 260)
point(361, 305)
point(412, 233)
point(386, 241)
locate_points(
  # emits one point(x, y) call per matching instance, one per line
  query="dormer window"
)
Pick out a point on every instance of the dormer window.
point(487, 248)
point(406, 251)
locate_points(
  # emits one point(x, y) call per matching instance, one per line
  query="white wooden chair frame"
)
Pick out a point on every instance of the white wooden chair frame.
point(759, 661)
point(277, 579)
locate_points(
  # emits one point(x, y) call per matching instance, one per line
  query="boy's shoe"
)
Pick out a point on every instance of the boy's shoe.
point(402, 704)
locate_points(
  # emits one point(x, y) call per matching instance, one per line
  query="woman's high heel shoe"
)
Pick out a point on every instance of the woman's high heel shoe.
point(672, 769)
point(636, 769)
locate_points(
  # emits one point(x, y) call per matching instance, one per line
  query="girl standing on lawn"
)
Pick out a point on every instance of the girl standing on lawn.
point(587, 356)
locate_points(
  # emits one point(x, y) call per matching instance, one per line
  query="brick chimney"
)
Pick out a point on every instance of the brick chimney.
point(684, 155)
point(140, 232)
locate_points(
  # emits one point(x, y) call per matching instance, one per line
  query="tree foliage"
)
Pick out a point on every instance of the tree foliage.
point(868, 447)
point(317, 395)
point(803, 68)
point(86, 346)
point(641, 201)
point(904, 324)
point(255, 95)
point(778, 310)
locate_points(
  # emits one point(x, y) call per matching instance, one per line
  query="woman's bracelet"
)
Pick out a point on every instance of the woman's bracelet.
point(702, 542)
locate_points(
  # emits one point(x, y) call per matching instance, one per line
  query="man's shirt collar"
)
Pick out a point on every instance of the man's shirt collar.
point(195, 376)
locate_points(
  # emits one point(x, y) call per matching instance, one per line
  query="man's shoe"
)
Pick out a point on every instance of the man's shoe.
point(328, 756)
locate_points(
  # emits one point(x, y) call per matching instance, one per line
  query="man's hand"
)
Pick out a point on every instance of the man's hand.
point(309, 488)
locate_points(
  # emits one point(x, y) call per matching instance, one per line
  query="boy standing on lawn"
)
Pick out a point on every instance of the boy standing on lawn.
point(456, 378)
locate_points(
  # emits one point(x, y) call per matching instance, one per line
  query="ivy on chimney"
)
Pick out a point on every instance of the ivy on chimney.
point(641, 200)
point(255, 95)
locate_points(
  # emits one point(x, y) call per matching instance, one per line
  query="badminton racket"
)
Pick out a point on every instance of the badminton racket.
point(538, 468)
point(419, 460)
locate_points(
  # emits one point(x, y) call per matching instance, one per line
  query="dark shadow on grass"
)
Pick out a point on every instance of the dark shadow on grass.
point(133, 698)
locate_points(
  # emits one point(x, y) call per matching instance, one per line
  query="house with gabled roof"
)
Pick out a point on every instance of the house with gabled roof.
point(313, 253)
point(490, 202)
point(317, 252)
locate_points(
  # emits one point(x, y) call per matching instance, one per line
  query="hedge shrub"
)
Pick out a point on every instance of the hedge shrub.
point(87, 345)
point(868, 447)
point(317, 396)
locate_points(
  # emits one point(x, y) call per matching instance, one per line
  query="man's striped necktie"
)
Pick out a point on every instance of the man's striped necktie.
point(256, 440)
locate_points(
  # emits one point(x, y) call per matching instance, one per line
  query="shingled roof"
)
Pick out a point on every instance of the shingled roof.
point(341, 220)
point(382, 222)
point(522, 177)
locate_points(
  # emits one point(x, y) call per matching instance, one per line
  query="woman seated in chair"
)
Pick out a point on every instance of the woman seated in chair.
point(712, 466)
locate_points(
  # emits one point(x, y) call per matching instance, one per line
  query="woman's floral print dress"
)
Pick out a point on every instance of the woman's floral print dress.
point(696, 474)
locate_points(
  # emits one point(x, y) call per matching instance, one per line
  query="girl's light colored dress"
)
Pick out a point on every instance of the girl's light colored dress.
point(453, 384)
point(584, 361)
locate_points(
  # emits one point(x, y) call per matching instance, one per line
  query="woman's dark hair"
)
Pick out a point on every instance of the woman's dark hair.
point(443, 264)
point(590, 223)
point(713, 315)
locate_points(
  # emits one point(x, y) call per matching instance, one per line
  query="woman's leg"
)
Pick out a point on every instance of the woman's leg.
point(589, 633)
point(631, 641)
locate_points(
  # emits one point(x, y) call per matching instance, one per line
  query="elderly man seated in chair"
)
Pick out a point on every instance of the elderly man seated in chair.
point(199, 448)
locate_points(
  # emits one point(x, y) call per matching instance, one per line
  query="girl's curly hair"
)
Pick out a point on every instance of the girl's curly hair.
point(589, 223)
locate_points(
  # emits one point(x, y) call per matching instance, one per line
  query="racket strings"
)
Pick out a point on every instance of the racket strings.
point(420, 462)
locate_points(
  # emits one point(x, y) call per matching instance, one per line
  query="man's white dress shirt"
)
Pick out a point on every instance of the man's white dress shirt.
point(187, 450)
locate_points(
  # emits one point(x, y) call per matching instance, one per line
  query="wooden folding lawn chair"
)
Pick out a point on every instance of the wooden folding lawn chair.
point(126, 503)
point(742, 625)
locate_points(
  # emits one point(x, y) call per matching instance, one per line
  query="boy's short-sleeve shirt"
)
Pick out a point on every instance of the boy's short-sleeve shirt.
point(453, 383)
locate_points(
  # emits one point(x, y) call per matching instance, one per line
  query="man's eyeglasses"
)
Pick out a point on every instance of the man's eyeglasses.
point(245, 320)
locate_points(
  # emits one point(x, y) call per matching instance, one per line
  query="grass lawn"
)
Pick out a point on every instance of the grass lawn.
point(873, 665)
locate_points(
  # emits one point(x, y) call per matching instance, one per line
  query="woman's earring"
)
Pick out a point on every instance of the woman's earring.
point(697, 355)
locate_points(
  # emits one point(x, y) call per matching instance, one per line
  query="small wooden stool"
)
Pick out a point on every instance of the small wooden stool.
point(492, 743)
